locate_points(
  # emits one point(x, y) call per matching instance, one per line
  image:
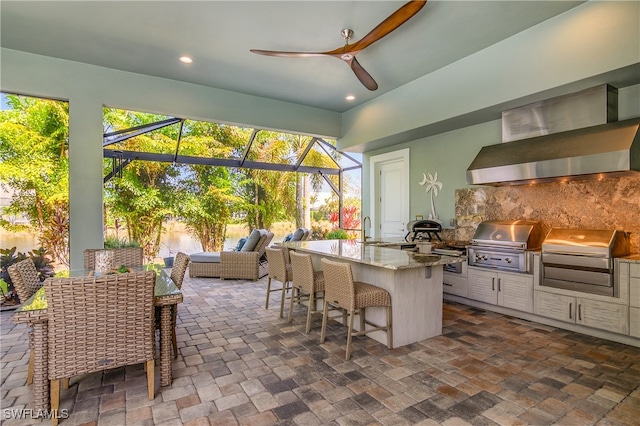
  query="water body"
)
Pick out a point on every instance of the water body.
point(173, 240)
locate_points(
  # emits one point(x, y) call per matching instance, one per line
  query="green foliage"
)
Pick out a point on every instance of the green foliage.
point(205, 195)
point(35, 166)
point(337, 234)
point(115, 242)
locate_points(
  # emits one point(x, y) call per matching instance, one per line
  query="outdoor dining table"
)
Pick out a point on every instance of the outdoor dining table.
point(34, 312)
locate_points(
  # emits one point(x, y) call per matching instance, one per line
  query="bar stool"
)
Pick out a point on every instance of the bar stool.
point(279, 271)
point(342, 291)
point(306, 280)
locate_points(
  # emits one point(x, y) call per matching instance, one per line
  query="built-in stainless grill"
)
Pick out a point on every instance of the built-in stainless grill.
point(583, 259)
point(505, 245)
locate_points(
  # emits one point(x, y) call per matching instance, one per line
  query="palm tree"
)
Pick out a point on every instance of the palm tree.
point(433, 186)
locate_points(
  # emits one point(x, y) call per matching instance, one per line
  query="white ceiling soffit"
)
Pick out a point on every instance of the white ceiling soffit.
point(148, 37)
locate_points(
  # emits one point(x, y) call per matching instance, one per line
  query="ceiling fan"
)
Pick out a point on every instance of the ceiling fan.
point(348, 52)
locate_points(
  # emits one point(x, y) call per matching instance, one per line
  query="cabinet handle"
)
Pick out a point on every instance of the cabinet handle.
point(570, 310)
point(493, 284)
point(580, 312)
point(499, 279)
point(449, 285)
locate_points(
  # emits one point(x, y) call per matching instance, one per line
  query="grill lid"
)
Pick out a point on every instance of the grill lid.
point(520, 234)
point(587, 242)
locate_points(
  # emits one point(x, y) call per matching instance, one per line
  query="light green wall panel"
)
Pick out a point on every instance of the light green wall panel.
point(449, 154)
point(567, 53)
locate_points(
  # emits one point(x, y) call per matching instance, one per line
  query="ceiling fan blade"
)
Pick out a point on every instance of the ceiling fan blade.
point(364, 77)
point(397, 18)
point(286, 54)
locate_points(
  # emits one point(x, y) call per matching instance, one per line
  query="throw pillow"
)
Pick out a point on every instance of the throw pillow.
point(251, 242)
point(240, 244)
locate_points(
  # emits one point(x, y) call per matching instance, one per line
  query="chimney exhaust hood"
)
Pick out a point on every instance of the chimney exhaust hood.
point(608, 149)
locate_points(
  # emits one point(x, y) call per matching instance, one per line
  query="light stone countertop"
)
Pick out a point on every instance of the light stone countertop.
point(372, 254)
point(633, 258)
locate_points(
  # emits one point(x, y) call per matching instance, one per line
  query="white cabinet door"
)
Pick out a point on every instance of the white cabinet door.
point(603, 315)
point(515, 291)
point(634, 285)
point(634, 322)
point(455, 284)
point(555, 306)
point(482, 286)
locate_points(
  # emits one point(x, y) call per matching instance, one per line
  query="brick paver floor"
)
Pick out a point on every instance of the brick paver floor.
point(239, 364)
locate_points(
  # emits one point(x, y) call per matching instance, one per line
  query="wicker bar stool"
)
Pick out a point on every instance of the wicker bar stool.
point(177, 275)
point(279, 271)
point(342, 291)
point(24, 276)
point(306, 280)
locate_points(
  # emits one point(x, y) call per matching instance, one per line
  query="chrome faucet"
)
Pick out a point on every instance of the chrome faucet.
point(364, 231)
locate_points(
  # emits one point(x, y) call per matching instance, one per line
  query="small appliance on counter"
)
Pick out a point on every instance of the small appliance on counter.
point(423, 230)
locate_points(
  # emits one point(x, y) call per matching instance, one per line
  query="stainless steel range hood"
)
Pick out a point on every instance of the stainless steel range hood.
point(592, 151)
point(612, 148)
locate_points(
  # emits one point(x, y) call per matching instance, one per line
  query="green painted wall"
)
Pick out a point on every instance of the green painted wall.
point(581, 48)
point(449, 154)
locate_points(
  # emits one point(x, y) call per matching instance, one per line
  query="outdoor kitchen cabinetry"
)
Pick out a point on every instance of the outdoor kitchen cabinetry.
point(511, 290)
point(456, 282)
point(583, 311)
point(634, 299)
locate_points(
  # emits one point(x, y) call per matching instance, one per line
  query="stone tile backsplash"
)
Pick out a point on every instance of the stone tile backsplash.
point(609, 203)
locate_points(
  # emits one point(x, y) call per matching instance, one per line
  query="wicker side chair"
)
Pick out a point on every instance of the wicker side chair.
point(24, 276)
point(99, 323)
point(128, 256)
point(306, 280)
point(177, 275)
point(278, 271)
point(354, 296)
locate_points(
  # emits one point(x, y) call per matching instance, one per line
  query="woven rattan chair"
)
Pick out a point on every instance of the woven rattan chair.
point(24, 277)
point(341, 290)
point(127, 256)
point(278, 271)
point(306, 280)
point(99, 323)
point(177, 275)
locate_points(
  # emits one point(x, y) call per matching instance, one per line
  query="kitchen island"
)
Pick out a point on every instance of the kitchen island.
point(414, 281)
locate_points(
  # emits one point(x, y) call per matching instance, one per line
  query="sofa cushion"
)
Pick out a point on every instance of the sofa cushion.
point(251, 242)
point(205, 257)
point(298, 234)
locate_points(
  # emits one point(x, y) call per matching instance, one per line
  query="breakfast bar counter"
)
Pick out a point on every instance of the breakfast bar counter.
point(414, 281)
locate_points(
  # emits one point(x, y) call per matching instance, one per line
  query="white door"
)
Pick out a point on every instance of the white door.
point(390, 194)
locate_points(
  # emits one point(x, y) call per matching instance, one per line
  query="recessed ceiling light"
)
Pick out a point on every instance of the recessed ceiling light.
point(185, 59)
point(350, 97)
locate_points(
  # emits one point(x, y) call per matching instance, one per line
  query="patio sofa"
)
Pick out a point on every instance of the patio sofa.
point(249, 263)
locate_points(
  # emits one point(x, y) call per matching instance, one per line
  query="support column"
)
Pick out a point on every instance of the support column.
point(85, 177)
